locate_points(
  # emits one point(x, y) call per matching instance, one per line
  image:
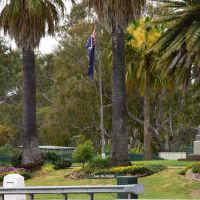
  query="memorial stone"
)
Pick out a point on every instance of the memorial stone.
point(14, 181)
point(197, 142)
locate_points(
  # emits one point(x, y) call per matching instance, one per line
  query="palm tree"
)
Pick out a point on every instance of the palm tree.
point(180, 44)
point(116, 15)
point(141, 71)
point(26, 22)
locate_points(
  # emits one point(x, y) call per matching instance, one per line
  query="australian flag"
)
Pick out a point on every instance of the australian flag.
point(90, 48)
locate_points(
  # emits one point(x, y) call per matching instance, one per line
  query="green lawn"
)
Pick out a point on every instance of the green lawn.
point(170, 163)
point(164, 185)
point(169, 185)
point(57, 178)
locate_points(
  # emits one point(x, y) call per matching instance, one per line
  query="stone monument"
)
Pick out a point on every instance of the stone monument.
point(14, 181)
point(196, 151)
point(197, 143)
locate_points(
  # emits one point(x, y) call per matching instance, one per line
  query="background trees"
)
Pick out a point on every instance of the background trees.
point(68, 103)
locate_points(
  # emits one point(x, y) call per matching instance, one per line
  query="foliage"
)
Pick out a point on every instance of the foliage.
point(136, 150)
point(42, 18)
point(47, 168)
point(117, 14)
point(50, 157)
point(133, 170)
point(27, 175)
point(6, 134)
point(183, 171)
point(7, 149)
point(168, 163)
point(5, 170)
point(84, 152)
point(62, 164)
point(179, 45)
point(16, 159)
point(54, 159)
point(142, 34)
point(196, 168)
point(155, 168)
point(97, 163)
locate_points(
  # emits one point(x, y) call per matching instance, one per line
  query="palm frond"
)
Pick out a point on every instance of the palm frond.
point(27, 21)
point(116, 14)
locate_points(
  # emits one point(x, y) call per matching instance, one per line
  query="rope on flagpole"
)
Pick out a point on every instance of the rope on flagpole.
point(99, 67)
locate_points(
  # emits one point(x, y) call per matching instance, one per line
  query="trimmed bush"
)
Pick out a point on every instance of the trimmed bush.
point(97, 163)
point(155, 168)
point(133, 170)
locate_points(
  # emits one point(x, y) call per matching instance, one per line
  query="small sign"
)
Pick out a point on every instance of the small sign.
point(101, 176)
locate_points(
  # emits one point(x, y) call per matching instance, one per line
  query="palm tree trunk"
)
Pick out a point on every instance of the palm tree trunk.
point(119, 136)
point(147, 134)
point(31, 154)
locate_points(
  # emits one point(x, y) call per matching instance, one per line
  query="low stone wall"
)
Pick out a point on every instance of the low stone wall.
point(172, 155)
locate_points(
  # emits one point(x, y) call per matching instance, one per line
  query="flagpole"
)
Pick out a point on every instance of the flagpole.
point(103, 141)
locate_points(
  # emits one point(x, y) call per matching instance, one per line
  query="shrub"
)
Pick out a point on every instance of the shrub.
point(27, 175)
point(196, 168)
point(62, 164)
point(84, 152)
point(7, 150)
point(56, 160)
point(50, 157)
point(137, 150)
point(133, 170)
point(183, 171)
point(16, 160)
point(97, 163)
point(155, 168)
point(5, 170)
point(47, 168)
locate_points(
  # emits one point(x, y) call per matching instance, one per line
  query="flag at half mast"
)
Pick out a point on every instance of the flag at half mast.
point(90, 48)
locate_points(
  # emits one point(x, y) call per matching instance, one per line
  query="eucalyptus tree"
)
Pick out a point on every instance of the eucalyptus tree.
point(116, 16)
point(142, 72)
point(27, 21)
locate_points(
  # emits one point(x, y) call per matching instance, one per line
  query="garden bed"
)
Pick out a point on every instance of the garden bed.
point(5, 170)
point(191, 172)
point(101, 173)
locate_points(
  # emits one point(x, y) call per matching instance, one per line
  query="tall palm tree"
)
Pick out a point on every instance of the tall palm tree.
point(116, 15)
point(141, 72)
point(27, 21)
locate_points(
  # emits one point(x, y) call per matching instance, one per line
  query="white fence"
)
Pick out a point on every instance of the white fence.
point(172, 155)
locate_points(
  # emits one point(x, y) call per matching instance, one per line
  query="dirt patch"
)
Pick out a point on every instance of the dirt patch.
point(75, 175)
point(192, 176)
point(195, 193)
